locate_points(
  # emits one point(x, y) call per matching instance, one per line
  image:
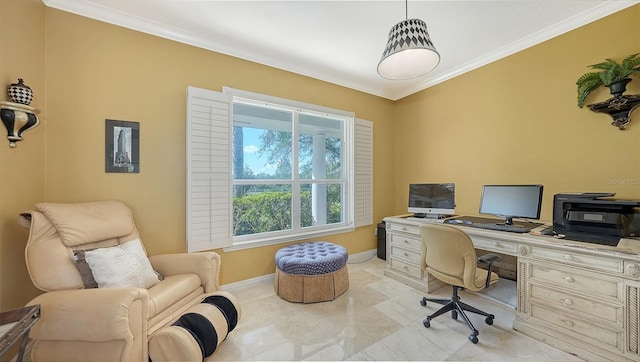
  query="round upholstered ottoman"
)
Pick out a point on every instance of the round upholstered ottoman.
point(311, 272)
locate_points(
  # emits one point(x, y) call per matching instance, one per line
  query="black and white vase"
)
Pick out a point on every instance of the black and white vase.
point(20, 92)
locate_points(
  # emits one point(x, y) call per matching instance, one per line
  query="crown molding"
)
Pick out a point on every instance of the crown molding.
point(394, 92)
point(584, 18)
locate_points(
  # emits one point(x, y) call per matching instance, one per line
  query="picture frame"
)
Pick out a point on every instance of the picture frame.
point(121, 146)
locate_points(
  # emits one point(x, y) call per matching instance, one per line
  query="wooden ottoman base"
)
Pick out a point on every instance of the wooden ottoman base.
point(311, 288)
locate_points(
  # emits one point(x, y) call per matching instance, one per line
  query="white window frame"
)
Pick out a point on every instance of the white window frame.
point(212, 228)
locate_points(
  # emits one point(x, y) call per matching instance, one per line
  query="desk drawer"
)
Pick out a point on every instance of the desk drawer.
point(406, 241)
point(582, 330)
point(588, 261)
point(589, 309)
point(495, 245)
point(409, 269)
point(402, 253)
point(580, 281)
point(411, 229)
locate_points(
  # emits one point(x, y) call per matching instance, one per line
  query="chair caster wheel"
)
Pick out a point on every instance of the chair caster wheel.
point(473, 338)
point(427, 323)
point(454, 314)
point(423, 302)
point(489, 320)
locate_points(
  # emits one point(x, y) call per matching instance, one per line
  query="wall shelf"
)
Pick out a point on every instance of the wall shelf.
point(17, 118)
point(619, 108)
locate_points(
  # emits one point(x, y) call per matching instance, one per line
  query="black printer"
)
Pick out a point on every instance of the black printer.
point(595, 217)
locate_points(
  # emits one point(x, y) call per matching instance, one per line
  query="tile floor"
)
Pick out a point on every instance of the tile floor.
point(377, 319)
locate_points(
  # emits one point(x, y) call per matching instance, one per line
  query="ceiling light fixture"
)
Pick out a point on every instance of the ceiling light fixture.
point(409, 52)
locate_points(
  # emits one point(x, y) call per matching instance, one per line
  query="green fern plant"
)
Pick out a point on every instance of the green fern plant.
point(609, 71)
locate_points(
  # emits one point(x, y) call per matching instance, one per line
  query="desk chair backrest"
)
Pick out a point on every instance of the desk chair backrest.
point(449, 255)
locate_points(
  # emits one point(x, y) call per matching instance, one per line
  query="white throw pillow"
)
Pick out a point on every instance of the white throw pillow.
point(122, 266)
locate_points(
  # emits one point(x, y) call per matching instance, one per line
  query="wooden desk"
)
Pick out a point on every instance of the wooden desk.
point(580, 297)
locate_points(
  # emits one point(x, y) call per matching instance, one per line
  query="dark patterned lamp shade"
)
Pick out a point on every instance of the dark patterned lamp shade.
point(409, 52)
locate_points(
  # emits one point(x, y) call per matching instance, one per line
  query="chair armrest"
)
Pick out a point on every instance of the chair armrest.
point(92, 315)
point(206, 265)
point(489, 259)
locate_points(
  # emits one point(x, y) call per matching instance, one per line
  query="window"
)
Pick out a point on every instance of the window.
point(264, 170)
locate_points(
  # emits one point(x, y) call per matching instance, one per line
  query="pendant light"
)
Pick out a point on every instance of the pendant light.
point(409, 52)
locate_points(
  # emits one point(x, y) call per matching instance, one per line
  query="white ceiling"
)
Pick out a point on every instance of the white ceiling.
point(342, 41)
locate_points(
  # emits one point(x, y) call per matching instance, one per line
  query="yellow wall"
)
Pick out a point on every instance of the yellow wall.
point(517, 121)
point(21, 168)
point(517, 115)
point(108, 72)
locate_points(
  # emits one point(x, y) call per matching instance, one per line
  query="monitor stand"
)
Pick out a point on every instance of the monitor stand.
point(428, 216)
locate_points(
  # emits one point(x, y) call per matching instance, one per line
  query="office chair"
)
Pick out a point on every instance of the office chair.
point(448, 254)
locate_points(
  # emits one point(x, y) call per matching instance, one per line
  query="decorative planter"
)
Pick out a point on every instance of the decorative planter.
point(618, 87)
point(20, 92)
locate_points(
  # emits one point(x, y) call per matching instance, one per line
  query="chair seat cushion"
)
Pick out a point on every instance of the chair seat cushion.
point(313, 258)
point(481, 278)
point(170, 290)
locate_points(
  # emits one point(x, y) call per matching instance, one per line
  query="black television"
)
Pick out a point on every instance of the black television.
point(432, 200)
point(512, 201)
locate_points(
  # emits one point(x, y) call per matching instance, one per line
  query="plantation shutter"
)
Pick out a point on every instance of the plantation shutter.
point(209, 206)
point(363, 174)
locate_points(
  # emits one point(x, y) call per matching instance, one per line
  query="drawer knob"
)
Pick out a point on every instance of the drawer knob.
point(568, 257)
point(567, 302)
point(406, 254)
point(406, 241)
point(569, 323)
point(569, 279)
point(495, 243)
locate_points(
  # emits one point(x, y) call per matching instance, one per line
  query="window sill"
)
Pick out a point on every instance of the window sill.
point(285, 239)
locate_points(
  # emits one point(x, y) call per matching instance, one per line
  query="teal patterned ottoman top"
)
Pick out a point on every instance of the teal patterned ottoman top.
point(312, 258)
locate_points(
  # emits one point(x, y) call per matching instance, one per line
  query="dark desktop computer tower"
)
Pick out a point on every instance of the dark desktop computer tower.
point(382, 240)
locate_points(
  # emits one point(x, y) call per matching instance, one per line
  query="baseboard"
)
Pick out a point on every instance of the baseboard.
point(362, 256)
point(248, 283)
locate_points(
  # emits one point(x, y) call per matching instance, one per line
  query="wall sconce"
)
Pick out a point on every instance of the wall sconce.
point(18, 116)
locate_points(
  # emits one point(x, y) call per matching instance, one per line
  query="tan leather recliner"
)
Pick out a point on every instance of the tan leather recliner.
point(103, 324)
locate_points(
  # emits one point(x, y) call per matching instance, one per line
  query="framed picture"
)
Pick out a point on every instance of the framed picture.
point(122, 146)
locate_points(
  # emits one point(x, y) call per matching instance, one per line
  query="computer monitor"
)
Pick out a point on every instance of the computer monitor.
point(512, 201)
point(432, 200)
